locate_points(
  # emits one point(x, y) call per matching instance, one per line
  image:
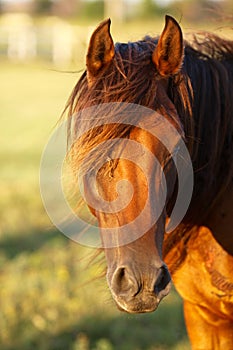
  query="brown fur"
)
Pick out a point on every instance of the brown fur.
point(201, 93)
point(197, 99)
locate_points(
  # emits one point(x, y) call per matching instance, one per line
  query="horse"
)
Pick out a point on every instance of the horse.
point(188, 84)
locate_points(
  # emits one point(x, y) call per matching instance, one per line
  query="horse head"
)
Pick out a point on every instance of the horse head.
point(133, 179)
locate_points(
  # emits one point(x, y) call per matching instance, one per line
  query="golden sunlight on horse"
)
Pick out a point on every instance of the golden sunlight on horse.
point(183, 89)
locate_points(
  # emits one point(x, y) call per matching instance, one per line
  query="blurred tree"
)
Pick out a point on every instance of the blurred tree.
point(92, 9)
point(61, 8)
point(114, 9)
point(118, 10)
point(43, 6)
point(150, 8)
point(65, 8)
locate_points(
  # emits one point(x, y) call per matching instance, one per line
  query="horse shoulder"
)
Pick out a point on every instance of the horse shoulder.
point(205, 282)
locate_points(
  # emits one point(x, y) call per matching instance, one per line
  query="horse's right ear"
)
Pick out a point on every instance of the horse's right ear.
point(101, 49)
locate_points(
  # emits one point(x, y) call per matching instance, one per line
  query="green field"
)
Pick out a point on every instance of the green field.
point(50, 298)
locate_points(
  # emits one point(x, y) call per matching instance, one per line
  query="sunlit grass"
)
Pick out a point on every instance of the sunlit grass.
point(49, 299)
point(32, 98)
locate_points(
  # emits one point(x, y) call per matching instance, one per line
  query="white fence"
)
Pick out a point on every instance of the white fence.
point(53, 39)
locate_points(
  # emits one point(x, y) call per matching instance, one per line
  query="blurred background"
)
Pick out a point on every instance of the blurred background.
point(51, 296)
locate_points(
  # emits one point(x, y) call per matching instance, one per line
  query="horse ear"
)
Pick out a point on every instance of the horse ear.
point(168, 55)
point(101, 49)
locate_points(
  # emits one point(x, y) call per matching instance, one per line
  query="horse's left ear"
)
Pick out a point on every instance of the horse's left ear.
point(168, 55)
point(101, 49)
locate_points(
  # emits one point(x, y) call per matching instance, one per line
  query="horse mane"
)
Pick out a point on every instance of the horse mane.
point(201, 93)
point(209, 66)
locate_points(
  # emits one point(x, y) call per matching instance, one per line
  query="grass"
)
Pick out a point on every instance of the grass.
point(49, 298)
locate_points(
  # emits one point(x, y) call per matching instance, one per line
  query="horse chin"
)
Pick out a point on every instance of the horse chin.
point(136, 310)
point(142, 303)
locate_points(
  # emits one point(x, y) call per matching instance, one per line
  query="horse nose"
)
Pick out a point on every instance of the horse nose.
point(124, 283)
point(127, 285)
point(137, 292)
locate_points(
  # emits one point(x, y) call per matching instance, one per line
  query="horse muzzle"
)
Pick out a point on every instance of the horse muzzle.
point(136, 295)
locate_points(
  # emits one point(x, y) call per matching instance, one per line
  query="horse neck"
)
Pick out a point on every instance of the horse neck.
point(211, 137)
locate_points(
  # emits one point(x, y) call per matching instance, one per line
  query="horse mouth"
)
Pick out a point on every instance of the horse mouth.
point(142, 303)
point(136, 310)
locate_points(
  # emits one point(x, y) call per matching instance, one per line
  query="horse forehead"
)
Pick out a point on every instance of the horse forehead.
point(147, 140)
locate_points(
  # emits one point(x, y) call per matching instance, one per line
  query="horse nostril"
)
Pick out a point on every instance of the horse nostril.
point(162, 280)
point(120, 283)
point(123, 282)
